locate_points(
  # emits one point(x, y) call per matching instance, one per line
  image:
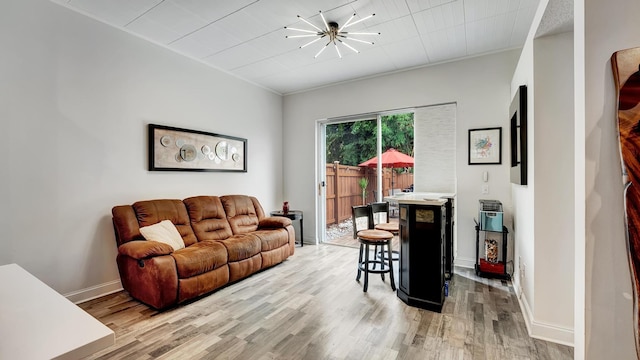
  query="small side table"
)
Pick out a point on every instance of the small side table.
point(293, 215)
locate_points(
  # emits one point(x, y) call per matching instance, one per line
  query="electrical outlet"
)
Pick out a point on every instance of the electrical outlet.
point(485, 189)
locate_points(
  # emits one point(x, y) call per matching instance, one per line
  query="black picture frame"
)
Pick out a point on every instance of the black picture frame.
point(518, 120)
point(485, 146)
point(178, 149)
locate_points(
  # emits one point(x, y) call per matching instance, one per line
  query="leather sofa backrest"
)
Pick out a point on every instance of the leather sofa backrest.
point(125, 224)
point(128, 220)
point(208, 218)
point(243, 212)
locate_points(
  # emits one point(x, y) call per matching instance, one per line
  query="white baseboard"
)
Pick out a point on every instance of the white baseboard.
point(94, 292)
point(465, 262)
point(540, 330)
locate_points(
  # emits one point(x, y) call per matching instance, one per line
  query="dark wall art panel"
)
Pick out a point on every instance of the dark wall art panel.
point(518, 111)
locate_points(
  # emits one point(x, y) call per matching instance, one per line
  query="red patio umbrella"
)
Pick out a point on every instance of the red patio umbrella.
point(391, 158)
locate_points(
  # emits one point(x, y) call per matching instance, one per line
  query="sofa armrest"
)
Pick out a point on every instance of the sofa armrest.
point(274, 222)
point(142, 249)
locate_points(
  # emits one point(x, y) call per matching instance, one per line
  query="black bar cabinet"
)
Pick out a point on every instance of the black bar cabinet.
point(422, 253)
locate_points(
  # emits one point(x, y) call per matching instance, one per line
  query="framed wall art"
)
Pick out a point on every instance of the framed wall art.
point(518, 111)
point(485, 146)
point(176, 149)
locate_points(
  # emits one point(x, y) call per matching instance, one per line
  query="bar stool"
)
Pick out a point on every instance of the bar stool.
point(378, 218)
point(375, 237)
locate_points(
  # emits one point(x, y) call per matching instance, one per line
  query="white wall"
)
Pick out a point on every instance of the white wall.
point(554, 181)
point(479, 86)
point(523, 209)
point(543, 209)
point(609, 26)
point(76, 98)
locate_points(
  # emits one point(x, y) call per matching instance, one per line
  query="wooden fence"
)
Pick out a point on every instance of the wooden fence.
point(343, 190)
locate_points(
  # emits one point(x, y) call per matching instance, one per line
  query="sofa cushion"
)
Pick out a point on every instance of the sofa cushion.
point(243, 212)
point(241, 247)
point(153, 211)
point(189, 288)
point(164, 232)
point(275, 256)
point(200, 258)
point(243, 268)
point(272, 239)
point(208, 219)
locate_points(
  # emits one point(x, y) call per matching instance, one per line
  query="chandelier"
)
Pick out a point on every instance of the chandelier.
point(333, 32)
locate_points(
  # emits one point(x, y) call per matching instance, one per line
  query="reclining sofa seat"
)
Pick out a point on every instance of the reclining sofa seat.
point(246, 216)
point(214, 253)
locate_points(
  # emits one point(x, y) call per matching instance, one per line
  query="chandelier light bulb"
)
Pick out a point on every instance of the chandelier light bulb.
point(333, 32)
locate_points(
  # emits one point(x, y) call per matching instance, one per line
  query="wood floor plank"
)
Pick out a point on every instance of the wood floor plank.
point(311, 307)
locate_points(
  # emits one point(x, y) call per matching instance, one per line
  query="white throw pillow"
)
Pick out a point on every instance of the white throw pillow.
point(164, 232)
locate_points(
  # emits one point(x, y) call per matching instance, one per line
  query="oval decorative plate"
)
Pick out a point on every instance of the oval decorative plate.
point(222, 150)
point(166, 140)
point(188, 152)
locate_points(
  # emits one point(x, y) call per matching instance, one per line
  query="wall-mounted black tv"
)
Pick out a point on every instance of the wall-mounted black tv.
point(518, 111)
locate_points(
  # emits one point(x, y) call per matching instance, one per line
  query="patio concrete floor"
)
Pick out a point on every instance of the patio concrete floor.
point(342, 234)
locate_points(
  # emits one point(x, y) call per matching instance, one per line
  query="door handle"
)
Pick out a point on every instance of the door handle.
point(320, 186)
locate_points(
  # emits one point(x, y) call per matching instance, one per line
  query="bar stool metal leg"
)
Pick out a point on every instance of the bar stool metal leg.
point(359, 262)
point(366, 268)
point(382, 261)
point(393, 283)
point(375, 251)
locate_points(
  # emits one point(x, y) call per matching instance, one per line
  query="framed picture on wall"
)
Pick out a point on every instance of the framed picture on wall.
point(485, 146)
point(176, 149)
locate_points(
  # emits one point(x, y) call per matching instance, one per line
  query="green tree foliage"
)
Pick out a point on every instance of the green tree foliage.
point(355, 142)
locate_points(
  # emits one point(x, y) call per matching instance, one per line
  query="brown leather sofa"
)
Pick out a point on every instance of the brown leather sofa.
point(226, 239)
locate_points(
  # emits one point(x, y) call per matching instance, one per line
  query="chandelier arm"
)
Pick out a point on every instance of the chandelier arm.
point(359, 33)
point(359, 21)
point(337, 50)
point(325, 22)
point(348, 21)
point(303, 30)
point(299, 36)
point(321, 50)
point(349, 46)
point(305, 20)
point(358, 40)
point(311, 42)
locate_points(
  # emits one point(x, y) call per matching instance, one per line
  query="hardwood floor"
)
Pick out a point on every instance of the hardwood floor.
point(311, 307)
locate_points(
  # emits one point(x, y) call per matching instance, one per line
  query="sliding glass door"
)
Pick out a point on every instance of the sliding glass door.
point(352, 173)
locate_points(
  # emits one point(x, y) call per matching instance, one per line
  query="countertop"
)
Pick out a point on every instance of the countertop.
point(421, 198)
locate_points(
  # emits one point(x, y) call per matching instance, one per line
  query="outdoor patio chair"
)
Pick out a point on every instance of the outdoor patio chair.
point(394, 207)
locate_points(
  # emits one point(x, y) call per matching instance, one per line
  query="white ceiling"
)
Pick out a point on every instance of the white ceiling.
point(247, 37)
